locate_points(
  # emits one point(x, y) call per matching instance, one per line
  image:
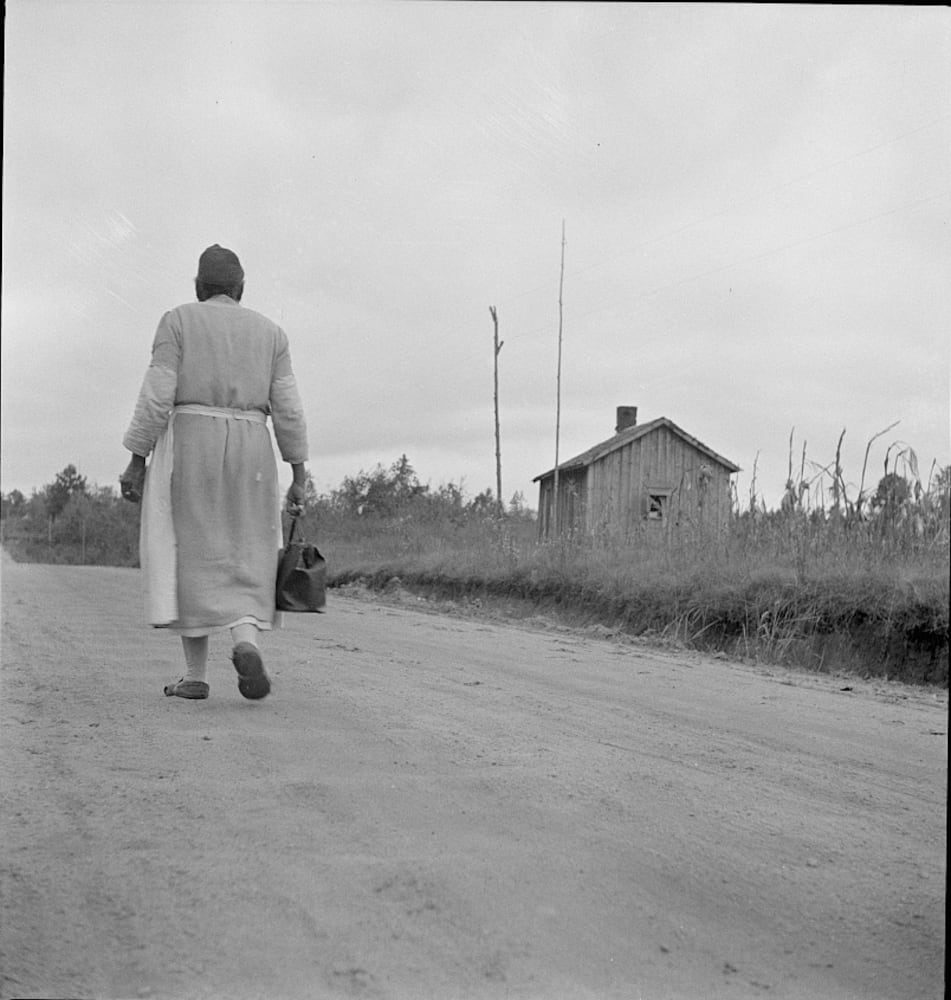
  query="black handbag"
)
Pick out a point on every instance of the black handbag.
point(301, 576)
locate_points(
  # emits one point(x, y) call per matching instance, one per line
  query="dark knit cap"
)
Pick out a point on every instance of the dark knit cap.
point(221, 267)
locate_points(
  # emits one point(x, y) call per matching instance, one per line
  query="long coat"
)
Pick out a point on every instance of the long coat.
point(219, 557)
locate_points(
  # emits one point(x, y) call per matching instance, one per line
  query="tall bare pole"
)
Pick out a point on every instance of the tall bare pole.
point(561, 285)
point(498, 439)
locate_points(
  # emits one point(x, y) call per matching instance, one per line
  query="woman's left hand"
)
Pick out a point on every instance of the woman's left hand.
point(295, 500)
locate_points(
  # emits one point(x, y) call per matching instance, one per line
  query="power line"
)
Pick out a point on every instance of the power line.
point(784, 247)
point(739, 204)
point(763, 255)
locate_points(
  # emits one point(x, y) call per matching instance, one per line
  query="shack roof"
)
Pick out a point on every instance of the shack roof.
point(629, 434)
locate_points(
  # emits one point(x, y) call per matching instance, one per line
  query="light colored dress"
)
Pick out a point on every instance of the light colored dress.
point(211, 525)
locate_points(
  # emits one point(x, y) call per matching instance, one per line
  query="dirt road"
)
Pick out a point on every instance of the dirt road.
point(443, 807)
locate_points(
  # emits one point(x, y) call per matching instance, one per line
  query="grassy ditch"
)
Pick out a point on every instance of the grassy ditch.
point(815, 592)
point(784, 597)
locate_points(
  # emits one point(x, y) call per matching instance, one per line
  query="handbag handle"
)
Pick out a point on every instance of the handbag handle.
point(290, 534)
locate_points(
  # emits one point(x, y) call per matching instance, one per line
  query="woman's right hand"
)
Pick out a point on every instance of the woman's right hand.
point(132, 481)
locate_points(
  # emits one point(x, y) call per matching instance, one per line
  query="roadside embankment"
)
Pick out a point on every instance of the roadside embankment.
point(871, 627)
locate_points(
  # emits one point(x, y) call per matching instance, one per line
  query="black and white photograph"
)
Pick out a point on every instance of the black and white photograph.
point(476, 500)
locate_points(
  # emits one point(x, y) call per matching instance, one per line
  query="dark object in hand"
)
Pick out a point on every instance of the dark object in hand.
point(301, 576)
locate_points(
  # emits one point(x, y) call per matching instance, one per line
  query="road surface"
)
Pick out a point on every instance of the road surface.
point(453, 807)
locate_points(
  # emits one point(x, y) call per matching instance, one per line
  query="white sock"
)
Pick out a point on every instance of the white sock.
point(196, 657)
point(245, 633)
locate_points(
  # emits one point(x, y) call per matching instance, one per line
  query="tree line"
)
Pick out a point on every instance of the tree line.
point(70, 521)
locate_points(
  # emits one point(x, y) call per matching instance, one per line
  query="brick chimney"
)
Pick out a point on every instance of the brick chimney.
point(626, 417)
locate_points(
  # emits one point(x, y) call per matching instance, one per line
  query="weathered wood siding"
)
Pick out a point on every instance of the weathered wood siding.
point(620, 484)
point(572, 504)
point(612, 495)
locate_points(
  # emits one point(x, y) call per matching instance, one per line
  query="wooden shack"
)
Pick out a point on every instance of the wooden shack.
point(652, 478)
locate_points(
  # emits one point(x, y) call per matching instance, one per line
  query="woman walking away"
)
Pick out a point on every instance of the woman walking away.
point(211, 525)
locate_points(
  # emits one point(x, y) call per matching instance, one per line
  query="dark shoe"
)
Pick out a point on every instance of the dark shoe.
point(253, 681)
point(195, 690)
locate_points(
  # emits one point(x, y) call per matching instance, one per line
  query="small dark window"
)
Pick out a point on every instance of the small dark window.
point(656, 506)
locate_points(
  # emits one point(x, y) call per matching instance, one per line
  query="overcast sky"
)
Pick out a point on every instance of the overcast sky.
point(756, 202)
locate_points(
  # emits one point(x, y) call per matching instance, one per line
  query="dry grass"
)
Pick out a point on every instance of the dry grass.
point(835, 580)
point(842, 577)
point(848, 611)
